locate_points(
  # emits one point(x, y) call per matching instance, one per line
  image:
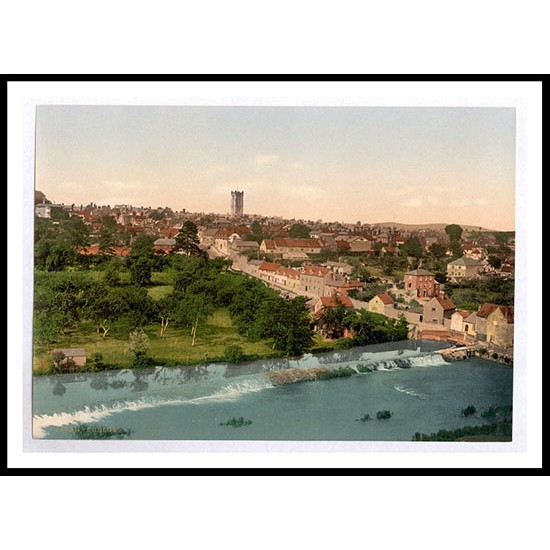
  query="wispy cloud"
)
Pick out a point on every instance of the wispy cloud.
point(215, 170)
point(297, 165)
point(412, 203)
point(266, 160)
point(403, 191)
point(306, 192)
point(480, 201)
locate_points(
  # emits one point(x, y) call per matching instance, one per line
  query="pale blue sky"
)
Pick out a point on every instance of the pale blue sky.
point(372, 164)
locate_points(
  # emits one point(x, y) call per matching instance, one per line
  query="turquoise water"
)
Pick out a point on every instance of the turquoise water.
point(424, 393)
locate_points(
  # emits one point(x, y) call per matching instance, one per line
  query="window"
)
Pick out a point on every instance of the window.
point(433, 308)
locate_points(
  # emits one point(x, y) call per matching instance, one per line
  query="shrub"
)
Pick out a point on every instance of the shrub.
point(335, 373)
point(82, 431)
point(236, 422)
point(97, 363)
point(365, 418)
point(234, 354)
point(383, 415)
point(345, 343)
point(469, 410)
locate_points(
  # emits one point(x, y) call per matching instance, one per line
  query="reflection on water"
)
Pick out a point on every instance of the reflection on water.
point(418, 386)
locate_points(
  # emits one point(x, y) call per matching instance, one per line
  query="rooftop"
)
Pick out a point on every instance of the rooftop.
point(464, 261)
point(419, 272)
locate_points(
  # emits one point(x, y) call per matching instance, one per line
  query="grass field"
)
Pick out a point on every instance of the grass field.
point(213, 337)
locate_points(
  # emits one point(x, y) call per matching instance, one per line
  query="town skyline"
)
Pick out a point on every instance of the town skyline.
point(374, 165)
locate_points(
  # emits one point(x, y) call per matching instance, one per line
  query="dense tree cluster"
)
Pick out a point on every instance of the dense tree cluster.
point(471, 294)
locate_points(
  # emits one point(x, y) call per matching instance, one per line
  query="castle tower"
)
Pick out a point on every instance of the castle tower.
point(237, 202)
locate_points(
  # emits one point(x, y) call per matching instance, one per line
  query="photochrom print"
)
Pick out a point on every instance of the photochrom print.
point(274, 273)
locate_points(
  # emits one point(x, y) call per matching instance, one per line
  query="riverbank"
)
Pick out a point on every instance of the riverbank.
point(477, 350)
point(408, 378)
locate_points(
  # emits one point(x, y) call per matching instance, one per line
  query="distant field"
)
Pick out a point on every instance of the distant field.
point(158, 292)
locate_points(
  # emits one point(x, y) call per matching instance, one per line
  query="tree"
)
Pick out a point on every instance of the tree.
point(60, 255)
point(111, 274)
point(191, 310)
point(75, 232)
point(60, 296)
point(454, 232)
point(57, 214)
point(165, 312)
point(373, 328)
point(140, 261)
point(331, 321)
point(494, 261)
point(57, 357)
point(47, 326)
point(106, 241)
point(104, 306)
point(187, 240)
point(138, 344)
point(437, 250)
point(412, 247)
point(298, 231)
point(140, 307)
point(287, 322)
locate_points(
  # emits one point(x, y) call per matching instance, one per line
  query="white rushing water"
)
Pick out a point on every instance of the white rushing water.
point(224, 391)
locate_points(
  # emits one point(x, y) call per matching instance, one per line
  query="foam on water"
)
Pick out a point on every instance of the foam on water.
point(232, 392)
point(410, 391)
point(92, 414)
point(88, 415)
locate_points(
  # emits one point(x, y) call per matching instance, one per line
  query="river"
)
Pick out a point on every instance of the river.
point(423, 392)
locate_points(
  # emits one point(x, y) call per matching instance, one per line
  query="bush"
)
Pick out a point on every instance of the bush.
point(340, 372)
point(142, 361)
point(236, 422)
point(345, 343)
point(469, 410)
point(365, 418)
point(383, 415)
point(96, 362)
point(234, 354)
point(82, 431)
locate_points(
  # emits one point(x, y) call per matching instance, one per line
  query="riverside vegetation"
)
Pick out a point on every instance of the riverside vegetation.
point(187, 309)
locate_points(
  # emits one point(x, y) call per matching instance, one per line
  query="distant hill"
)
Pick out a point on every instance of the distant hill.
point(432, 226)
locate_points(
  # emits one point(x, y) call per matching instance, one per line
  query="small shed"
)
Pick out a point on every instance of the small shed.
point(74, 357)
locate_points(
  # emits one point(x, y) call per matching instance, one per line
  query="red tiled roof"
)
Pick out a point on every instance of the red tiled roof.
point(463, 313)
point(486, 309)
point(386, 298)
point(297, 243)
point(269, 244)
point(315, 271)
point(121, 250)
point(169, 232)
point(337, 300)
point(289, 272)
point(446, 303)
point(91, 250)
point(269, 266)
